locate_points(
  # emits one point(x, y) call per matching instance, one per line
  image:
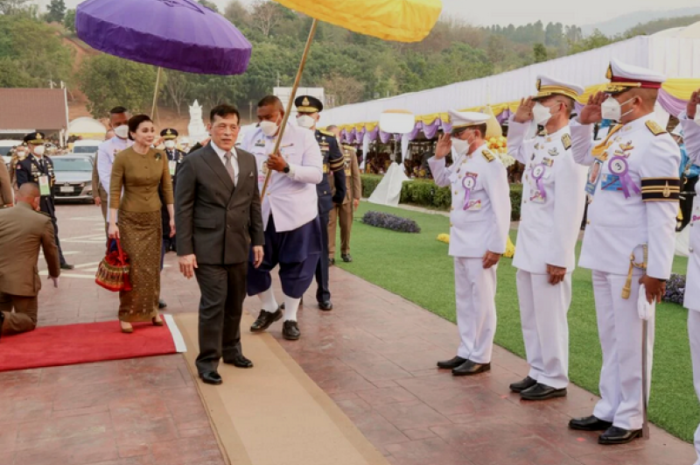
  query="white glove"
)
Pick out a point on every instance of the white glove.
point(645, 310)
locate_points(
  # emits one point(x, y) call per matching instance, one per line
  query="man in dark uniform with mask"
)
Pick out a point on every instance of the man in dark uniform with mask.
point(38, 169)
point(308, 109)
point(175, 157)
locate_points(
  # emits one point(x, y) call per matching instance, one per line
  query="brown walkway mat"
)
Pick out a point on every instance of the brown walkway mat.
point(274, 414)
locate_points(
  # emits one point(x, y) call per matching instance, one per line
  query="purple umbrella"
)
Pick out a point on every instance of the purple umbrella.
point(176, 34)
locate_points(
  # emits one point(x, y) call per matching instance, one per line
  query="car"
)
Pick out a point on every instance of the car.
point(5, 146)
point(73, 177)
point(86, 146)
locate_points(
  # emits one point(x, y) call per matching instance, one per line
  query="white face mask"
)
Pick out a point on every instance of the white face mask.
point(39, 150)
point(269, 128)
point(122, 131)
point(461, 146)
point(612, 109)
point(541, 114)
point(305, 121)
point(169, 144)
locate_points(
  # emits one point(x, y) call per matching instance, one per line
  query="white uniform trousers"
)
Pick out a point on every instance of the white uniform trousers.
point(694, 335)
point(620, 332)
point(475, 290)
point(543, 310)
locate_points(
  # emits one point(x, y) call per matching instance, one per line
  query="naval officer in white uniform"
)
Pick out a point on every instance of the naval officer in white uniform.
point(480, 220)
point(629, 239)
point(691, 130)
point(551, 212)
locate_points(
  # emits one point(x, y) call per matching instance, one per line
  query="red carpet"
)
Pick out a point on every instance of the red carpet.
point(84, 343)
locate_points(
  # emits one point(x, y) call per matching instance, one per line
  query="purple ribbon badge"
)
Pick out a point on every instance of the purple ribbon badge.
point(538, 172)
point(468, 183)
point(619, 167)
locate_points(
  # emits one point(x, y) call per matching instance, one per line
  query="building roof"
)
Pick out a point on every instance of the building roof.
point(33, 109)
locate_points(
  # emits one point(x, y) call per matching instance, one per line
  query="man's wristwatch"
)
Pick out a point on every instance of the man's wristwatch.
point(286, 169)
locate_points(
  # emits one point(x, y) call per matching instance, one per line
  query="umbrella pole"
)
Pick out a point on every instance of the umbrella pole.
point(292, 96)
point(155, 93)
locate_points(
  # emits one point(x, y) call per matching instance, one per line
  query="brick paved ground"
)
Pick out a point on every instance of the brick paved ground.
point(374, 355)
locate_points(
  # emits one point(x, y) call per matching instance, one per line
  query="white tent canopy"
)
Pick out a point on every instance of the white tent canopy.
point(677, 56)
point(86, 125)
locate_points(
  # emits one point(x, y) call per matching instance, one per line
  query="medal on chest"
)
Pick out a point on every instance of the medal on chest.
point(469, 182)
point(619, 167)
point(538, 174)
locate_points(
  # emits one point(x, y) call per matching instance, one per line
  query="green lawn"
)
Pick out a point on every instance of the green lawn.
point(417, 267)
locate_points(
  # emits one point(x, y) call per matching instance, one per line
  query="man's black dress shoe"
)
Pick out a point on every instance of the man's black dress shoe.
point(591, 423)
point(542, 392)
point(346, 258)
point(162, 304)
point(66, 266)
point(211, 377)
point(239, 361)
point(326, 306)
point(471, 368)
point(451, 363)
point(290, 330)
point(520, 386)
point(265, 319)
point(615, 435)
point(2, 320)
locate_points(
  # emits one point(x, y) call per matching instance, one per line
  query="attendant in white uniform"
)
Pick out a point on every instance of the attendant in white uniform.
point(629, 239)
point(290, 215)
point(107, 150)
point(480, 220)
point(691, 131)
point(551, 212)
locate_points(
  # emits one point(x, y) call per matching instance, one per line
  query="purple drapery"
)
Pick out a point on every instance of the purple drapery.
point(505, 115)
point(429, 130)
point(384, 136)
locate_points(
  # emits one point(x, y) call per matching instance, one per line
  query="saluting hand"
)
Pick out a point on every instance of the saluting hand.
point(693, 103)
point(524, 113)
point(592, 112)
point(444, 146)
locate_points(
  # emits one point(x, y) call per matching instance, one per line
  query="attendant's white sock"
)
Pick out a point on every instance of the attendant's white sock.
point(291, 305)
point(267, 298)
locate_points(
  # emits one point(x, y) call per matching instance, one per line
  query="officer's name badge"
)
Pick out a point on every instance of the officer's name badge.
point(536, 197)
point(611, 182)
point(548, 161)
point(474, 205)
point(260, 143)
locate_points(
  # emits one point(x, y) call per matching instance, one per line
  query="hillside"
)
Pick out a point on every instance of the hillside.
point(622, 24)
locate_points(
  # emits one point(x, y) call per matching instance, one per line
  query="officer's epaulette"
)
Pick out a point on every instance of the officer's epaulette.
point(566, 141)
point(326, 133)
point(488, 155)
point(661, 189)
point(655, 128)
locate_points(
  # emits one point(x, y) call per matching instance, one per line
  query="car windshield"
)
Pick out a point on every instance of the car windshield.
point(5, 150)
point(85, 149)
point(71, 164)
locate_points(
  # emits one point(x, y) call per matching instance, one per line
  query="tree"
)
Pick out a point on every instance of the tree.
point(237, 13)
point(12, 7)
point(342, 90)
point(108, 81)
point(57, 11)
point(177, 86)
point(266, 15)
point(595, 40)
point(209, 4)
point(69, 21)
point(540, 53)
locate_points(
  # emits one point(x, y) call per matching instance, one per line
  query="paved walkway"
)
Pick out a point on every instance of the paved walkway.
point(374, 355)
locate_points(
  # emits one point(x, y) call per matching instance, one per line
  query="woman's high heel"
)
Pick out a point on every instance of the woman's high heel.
point(157, 321)
point(126, 327)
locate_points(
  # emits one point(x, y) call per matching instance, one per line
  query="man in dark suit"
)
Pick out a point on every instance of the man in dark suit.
point(217, 213)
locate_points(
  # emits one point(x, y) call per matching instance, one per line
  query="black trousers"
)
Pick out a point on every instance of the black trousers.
point(223, 290)
point(48, 207)
point(323, 293)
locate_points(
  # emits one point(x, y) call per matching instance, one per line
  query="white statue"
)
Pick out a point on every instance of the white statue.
point(197, 129)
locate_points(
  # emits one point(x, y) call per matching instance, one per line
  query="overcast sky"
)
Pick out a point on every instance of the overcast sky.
point(525, 11)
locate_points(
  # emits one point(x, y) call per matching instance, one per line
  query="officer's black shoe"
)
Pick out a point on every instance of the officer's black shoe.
point(265, 319)
point(451, 363)
point(520, 386)
point(591, 423)
point(211, 377)
point(66, 266)
point(290, 330)
point(542, 392)
point(239, 361)
point(162, 304)
point(469, 368)
point(2, 321)
point(346, 258)
point(326, 306)
point(615, 435)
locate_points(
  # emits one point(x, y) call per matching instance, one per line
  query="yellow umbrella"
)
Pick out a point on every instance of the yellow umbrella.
point(398, 20)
